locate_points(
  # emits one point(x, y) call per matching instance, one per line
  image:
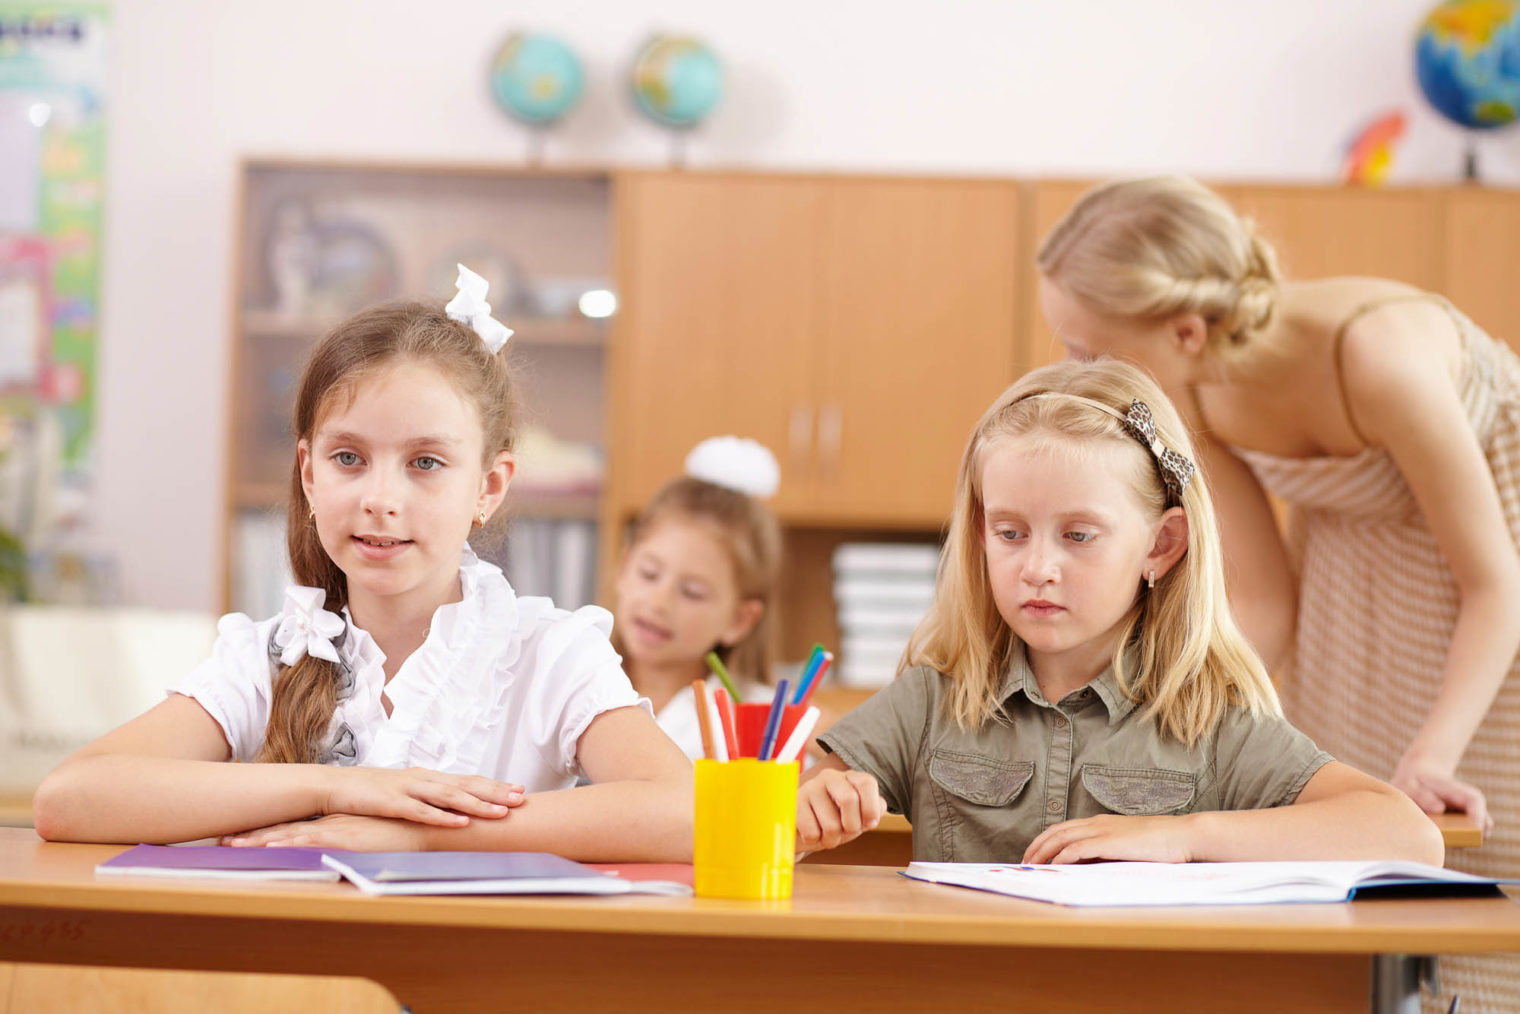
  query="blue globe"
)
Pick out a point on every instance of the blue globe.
point(676, 80)
point(1467, 59)
point(536, 78)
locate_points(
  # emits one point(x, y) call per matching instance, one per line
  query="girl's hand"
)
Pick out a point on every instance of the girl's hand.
point(836, 806)
point(1435, 789)
point(338, 830)
point(1111, 836)
point(428, 797)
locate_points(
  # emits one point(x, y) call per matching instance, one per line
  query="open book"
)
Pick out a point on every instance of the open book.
point(1205, 883)
point(485, 873)
point(219, 861)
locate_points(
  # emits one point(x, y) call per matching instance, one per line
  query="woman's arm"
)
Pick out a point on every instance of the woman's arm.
point(1262, 589)
point(638, 809)
point(164, 777)
point(1340, 814)
point(1404, 398)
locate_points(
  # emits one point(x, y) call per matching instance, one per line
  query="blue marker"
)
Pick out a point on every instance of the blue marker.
point(809, 670)
point(772, 722)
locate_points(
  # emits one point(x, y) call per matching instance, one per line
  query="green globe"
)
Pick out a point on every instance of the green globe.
point(1467, 59)
point(676, 80)
point(536, 78)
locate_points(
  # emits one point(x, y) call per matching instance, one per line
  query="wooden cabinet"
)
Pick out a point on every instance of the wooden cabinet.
point(917, 327)
point(858, 327)
point(717, 277)
point(1326, 231)
point(1481, 248)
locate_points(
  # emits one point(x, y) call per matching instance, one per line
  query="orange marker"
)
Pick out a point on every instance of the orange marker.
point(726, 719)
point(704, 721)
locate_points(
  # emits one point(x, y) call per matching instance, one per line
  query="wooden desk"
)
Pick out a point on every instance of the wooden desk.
point(851, 937)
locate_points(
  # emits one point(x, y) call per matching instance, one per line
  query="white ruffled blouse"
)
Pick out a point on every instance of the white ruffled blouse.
point(502, 686)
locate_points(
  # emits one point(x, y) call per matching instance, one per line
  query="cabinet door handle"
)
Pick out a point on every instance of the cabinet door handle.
point(799, 438)
point(830, 435)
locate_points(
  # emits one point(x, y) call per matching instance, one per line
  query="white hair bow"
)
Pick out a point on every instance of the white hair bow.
point(469, 306)
point(306, 627)
point(737, 463)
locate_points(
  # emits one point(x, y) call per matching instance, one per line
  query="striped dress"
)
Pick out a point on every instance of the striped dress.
point(1376, 609)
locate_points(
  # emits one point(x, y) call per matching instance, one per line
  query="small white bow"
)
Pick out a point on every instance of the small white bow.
point(469, 306)
point(307, 627)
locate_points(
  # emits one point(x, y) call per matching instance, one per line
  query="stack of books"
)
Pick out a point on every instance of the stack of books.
point(881, 591)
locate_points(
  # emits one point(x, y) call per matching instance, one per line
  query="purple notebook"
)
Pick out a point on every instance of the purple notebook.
point(220, 861)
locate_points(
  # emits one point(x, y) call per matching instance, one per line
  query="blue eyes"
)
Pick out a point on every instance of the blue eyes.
point(1081, 538)
point(426, 463)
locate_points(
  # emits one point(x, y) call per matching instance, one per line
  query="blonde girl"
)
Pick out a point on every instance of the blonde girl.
point(698, 575)
point(405, 697)
point(1079, 690)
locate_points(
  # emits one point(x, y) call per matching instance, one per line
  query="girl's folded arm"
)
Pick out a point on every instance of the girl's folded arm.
point(637, 809)
point(162, 777)
point(1341, 813)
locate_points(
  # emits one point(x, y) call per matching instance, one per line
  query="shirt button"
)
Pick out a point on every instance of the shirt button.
point(1055, 806)
point(1060, 722)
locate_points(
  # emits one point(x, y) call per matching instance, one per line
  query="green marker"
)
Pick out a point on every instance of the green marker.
point(716, 665)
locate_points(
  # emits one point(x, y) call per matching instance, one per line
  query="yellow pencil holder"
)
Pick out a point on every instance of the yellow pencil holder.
point(746, 828)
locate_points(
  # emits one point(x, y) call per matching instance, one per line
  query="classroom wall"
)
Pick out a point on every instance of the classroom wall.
point(1262, 89)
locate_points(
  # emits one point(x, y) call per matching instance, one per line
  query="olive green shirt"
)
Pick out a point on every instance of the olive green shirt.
point(983, 795)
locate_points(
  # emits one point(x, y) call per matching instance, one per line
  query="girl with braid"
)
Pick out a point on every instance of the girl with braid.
point(405, 698)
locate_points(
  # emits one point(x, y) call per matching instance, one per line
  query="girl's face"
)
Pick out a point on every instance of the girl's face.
point(395, 478)
point(1154, 346)
point(1068, 544)
point(678, 595)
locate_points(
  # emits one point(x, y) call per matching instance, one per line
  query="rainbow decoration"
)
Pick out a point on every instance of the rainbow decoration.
point(1369, 156)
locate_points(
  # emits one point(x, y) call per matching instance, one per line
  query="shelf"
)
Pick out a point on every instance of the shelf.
point(567, 331)
point(530, 504)
point(259, 496)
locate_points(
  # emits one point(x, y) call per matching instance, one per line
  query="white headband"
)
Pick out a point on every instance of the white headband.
point(469, 306)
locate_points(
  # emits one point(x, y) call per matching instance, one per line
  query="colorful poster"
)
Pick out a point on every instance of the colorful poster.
point(52, 190)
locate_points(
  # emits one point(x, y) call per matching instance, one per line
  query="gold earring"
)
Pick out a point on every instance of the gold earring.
point(1150, 582)
point(480, 520)
point(311, 513)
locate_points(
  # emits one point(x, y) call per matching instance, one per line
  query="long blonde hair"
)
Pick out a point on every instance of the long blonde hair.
point(1156, 246)
point(1190, 661)
point(305, 694)
point(753, 537)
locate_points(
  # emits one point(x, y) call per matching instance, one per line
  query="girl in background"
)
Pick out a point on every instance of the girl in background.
point(1079, 691)
point(699, 575)
point(1390, 425)
point(405, 696)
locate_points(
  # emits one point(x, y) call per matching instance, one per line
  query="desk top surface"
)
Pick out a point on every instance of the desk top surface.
point(829, 903)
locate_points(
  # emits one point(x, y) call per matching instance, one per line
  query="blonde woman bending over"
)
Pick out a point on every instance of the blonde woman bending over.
point(1079, 690)
point(1390, 424)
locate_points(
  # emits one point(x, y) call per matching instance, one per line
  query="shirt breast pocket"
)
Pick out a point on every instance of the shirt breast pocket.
point(974, 797)
point(1136, 792)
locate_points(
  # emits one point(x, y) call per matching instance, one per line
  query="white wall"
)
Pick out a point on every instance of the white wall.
point(1241, 88)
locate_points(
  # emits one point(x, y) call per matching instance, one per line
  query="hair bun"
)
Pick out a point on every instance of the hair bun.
point(736, 463)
